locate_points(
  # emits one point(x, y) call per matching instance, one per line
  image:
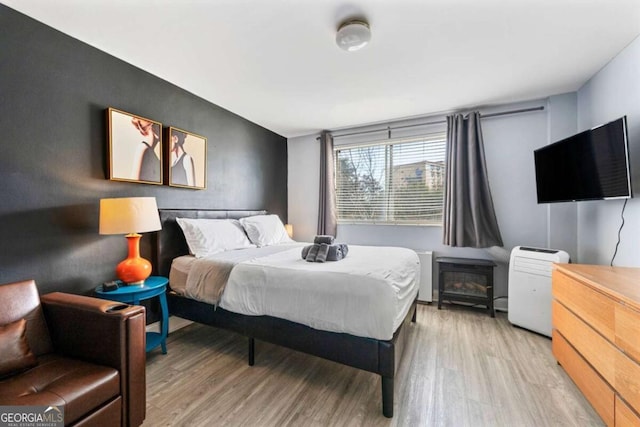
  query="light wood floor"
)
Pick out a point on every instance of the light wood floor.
point(460, 368)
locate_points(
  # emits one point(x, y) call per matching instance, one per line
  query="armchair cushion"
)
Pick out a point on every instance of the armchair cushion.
point(20, 300)
point(59, 381)
point(15, 354)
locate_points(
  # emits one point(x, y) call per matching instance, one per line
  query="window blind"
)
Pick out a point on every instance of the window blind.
point(395, 181)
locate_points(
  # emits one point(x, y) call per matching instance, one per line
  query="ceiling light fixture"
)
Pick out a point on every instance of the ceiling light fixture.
point(353, 35)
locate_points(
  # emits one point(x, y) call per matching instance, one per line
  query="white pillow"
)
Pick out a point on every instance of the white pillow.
point(211, 236)
point(265, 230)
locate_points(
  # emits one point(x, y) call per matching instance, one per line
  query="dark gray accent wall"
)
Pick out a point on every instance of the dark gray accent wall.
point(54, 91)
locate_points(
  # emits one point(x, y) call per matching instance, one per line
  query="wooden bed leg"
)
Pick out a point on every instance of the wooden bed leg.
point(387, 397)
point(414, 318)
point(252, 349)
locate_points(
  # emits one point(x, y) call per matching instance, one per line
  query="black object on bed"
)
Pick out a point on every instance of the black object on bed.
point(377, 356)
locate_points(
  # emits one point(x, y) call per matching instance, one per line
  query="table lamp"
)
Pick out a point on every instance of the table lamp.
point(130, 216)
point(289, 228)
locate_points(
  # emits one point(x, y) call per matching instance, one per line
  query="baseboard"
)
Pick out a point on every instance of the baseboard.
point(175, 323)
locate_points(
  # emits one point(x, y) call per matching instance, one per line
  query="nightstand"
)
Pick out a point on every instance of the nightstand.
point(154, 286)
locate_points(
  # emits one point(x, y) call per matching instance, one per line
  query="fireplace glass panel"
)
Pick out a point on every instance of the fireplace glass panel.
point(465, 283)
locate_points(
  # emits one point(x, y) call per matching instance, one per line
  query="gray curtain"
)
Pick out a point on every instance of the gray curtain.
point(469, 216)
point(327, 222)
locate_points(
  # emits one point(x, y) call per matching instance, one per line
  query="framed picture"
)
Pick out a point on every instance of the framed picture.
point(187, 159)
point(135, 148)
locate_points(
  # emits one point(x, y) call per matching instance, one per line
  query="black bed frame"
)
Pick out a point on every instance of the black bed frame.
point(377, 356)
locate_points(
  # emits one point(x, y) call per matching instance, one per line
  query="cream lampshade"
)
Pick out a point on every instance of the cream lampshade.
point(130, 216)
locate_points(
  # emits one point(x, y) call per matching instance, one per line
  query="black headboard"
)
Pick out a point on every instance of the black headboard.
point(170, 242)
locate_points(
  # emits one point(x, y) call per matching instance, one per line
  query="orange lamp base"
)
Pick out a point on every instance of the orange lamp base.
point(133, 270)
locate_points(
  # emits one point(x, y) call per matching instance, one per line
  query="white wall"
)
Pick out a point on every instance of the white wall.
point(303, 186)
point(509, 144)
point(611, 93)
point(562, 231)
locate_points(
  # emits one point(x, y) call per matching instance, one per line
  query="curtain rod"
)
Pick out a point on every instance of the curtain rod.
point(437, 122)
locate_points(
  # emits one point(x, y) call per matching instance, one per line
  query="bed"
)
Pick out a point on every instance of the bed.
point(380, 356)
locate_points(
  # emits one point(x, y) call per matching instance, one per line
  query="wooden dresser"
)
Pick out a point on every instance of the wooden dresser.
point(596, 336)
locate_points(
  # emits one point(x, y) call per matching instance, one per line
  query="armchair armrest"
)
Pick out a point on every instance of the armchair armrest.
point(103, 332)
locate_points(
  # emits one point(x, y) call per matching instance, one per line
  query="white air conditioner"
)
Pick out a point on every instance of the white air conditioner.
point(426, 288)
point(530, 287)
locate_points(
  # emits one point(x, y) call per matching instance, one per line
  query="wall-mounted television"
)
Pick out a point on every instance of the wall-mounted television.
point(591, 165)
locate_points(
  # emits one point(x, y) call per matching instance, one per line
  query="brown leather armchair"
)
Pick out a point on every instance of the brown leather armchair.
point(81, 353)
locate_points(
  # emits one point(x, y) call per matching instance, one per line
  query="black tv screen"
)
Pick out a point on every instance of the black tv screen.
point(591, 165)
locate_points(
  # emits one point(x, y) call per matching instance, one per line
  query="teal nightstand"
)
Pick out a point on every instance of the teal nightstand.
point(154, 286)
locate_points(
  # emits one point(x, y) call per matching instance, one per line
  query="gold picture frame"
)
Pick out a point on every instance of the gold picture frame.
point(186, 159)
point(135, 148)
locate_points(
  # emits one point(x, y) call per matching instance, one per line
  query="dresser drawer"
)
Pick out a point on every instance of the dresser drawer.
point(593, 307)
point(627, 380)
point(627, 325)
point(592, 385)
point(599, 352)
point(625, 417)
point(621, 372)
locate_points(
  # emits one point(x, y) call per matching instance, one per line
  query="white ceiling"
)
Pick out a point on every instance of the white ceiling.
point(275, 62)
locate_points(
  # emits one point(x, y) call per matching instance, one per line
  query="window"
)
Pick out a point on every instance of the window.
point(395, 181)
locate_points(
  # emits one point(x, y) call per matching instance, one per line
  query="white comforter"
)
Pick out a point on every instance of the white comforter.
point(367, 294)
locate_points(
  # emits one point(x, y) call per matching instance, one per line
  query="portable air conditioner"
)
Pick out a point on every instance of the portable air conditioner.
point(530, 287)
